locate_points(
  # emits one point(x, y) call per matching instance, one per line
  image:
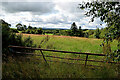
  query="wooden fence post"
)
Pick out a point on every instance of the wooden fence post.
point(86, 60)
point(43, 56)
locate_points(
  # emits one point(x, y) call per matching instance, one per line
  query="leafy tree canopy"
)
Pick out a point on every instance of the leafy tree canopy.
point(73, 26)
point(108, 12)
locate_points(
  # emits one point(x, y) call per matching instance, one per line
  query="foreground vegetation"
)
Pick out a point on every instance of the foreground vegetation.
point(32, 67)
point(29, 67)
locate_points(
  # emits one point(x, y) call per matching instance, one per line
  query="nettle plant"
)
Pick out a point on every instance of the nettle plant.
point(108, 12)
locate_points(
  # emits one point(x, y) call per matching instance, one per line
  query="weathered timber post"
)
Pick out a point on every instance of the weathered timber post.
point(43, 56)
point(86, 60)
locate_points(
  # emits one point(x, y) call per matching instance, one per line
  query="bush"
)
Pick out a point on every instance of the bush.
point(5, 34)
point(69, 32)
point(13, 30)
point(9, 38)
point(97, 33)
point(27, 31)
point(23, 31)
point(28, 42)
point(39, 31)
point(91, 32)
point(86, 34)
point(92, 36)
point(103, 32)
point(31, 32)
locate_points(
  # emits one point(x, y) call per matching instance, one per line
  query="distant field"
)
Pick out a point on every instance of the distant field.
point(68, 43)
point(48, 34)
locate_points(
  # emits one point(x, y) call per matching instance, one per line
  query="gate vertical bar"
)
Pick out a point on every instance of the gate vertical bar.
point(43, 56)
point(86, 60)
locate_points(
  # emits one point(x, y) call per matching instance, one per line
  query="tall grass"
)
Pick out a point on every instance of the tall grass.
point(31, 67)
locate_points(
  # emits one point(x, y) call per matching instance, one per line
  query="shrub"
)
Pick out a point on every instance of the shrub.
point(28, 42)
point(39, 31)
point(5, 34)
point(97, 33)
point(14, 30)
point(31, 32)
point(92, 36)
point(9, 38)
point(86, 34)
point(27, 31)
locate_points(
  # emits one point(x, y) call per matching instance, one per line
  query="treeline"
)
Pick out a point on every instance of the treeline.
point(29, 30)
point(73, 31)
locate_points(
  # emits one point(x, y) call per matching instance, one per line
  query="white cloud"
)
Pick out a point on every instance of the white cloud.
point(51, 15)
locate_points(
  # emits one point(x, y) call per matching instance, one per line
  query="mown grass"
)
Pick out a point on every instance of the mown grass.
point(29, 67)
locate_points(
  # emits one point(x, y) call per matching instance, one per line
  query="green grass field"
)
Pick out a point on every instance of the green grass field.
point(71, 43)
point(68, 43)
point(35, 67)
point(48, 34)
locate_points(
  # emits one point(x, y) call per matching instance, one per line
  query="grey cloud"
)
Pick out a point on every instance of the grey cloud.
point(34, 7)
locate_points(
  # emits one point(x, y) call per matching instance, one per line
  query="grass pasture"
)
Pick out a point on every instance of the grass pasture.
point(29, 67)
point(67, 43)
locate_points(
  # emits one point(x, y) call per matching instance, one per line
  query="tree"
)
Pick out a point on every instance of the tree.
point(103, 32)
point(74, 29)
point(25, 27)
point(29, 27)
point(91, 32)
point(108, 12)
point(13, 30)
point(19, 26)
point(80, 32)
point(27, 31)
point(73, 26)
point(39, 31)
point(35, 28)
point(86, 34)
point(5, 33)
point(97, 33)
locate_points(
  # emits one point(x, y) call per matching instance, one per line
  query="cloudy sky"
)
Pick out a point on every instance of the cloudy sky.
point(46, 14)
